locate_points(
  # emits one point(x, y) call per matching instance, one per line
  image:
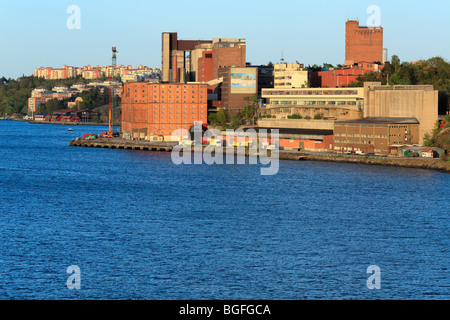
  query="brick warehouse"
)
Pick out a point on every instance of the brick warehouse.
point(152, 111)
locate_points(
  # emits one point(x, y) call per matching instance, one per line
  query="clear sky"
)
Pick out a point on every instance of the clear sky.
point(35, 33)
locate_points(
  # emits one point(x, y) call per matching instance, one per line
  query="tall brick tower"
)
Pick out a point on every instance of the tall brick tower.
point(363, 44)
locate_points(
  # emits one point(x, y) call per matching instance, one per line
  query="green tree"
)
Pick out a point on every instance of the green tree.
point(212, 118)
point(221, 117)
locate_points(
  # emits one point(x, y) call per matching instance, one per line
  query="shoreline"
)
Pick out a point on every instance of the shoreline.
point(416, 163)
point(68, 123)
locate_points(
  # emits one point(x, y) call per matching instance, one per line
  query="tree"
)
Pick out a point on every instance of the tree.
point(250, 111)
point(221, 117)
point(212, 118)
point(395, 62)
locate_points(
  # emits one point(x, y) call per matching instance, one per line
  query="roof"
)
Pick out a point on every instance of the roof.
point(382, 120)
point(319, 132)
point(402, 87)
point(61, 111)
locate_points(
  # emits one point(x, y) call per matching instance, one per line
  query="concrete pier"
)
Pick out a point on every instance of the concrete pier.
point(418, 163)
point(119, 143)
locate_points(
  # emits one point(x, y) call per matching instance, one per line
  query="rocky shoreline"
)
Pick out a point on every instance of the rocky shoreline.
point(432, 164)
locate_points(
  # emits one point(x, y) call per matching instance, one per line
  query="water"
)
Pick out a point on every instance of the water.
point(140, 227)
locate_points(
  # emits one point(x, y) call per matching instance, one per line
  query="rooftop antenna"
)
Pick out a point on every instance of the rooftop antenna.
point(282, 59)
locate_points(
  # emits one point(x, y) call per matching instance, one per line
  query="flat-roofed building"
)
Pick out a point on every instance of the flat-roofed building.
point(380, 135)
point(413, 101)
point(310, 103)
point(153, 111)
point(290, 76)
point(238, 84)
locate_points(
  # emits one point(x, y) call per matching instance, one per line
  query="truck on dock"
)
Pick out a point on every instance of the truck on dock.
point(89, 136)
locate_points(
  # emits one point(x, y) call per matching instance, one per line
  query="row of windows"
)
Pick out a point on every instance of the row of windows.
point(357, 135)
point(178, 117)
point(309, 92)
point(312, 102)
point(374, 126)
point(170, 101)
point(162, 97)
point(178, 111)
point(170, 86)
point(178, 106)
point(353, 141)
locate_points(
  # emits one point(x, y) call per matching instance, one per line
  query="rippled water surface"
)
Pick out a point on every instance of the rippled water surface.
point(140, 227)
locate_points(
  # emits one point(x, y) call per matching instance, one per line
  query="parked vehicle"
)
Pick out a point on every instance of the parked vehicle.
point(89, 136)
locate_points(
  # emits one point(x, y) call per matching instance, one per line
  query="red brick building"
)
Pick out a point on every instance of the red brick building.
point(238, 84)
point(206, 66)
point(199, 60)
point(364, 53)
point(363, 43)
point(228, 53)
point(153, 111)
point(335, 78)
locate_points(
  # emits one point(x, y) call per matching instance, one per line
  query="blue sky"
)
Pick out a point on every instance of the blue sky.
point(34, 33)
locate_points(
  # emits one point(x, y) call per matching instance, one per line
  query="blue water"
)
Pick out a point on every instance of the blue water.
point(140, 227)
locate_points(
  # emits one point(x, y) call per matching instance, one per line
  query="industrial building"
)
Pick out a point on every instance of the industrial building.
point(199, 60)
point(381, 135)
point(290, 107)
point(404, 101)
point(153, 111)
point(363, 44)
point(364, 53)
point(237, 85)
point(330, 103)
point(335, 78)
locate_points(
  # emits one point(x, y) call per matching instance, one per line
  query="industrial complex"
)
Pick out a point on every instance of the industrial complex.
point(313, 110)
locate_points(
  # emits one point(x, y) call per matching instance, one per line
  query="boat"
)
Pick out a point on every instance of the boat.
point(70, 129)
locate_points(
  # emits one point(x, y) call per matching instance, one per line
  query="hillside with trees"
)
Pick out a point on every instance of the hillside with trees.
point(14, 94)
point(434, 71)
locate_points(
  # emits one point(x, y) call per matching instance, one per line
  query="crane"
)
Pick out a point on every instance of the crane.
point(111, 90)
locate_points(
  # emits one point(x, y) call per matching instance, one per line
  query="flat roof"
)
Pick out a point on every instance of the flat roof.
point(402, 87)
point(385, 120)
point(319, 132)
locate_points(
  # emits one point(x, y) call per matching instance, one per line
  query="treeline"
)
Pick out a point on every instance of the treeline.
point(14, 94)
point(434, 71)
